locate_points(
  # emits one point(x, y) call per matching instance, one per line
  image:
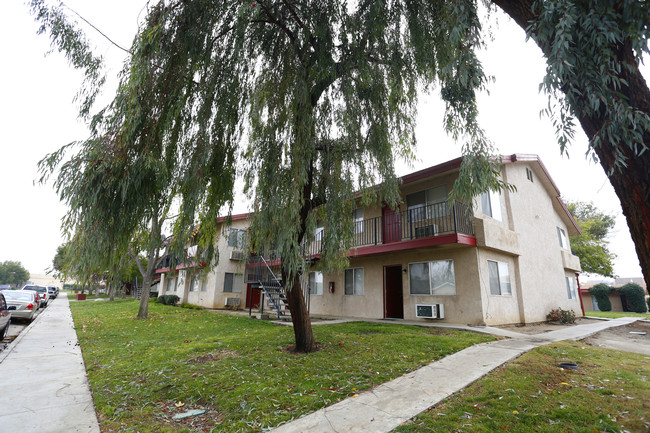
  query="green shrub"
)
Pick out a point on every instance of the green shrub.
point(168, 300)
point(190, 306)
point(635, 296)
point(648, 303)
point(601, 293)
point(562, 316)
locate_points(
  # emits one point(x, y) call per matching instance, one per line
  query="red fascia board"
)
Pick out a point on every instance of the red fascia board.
point(191, 265)
point(237, 217)
point(452, 238)
point(162, 270)
point(431, 171)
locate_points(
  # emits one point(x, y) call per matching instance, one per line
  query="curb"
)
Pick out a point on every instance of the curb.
point(20, 336)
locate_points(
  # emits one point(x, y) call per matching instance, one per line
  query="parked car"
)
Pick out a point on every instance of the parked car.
point(37, 296)
point(24, 303)
point(42, 291)
point(5, 317)
point(51, 290)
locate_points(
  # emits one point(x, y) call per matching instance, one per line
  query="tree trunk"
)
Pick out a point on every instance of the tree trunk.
point(143, 310)
point(632, 183)
point(302, 330)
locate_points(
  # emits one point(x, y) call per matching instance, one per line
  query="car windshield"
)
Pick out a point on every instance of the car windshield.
point(18, 296)
point(37, 288)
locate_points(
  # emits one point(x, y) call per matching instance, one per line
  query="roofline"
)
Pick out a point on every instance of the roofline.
point(525, 157)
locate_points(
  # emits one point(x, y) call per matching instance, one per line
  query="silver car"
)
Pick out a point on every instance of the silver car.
point(42, 293)
point(5, 318)
point(24, 303)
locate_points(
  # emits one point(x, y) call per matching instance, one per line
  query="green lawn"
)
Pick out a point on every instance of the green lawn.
point(610, 392)
point(615, 314)
point(142, 372)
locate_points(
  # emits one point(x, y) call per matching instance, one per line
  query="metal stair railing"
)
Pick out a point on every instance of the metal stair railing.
point(273, 290)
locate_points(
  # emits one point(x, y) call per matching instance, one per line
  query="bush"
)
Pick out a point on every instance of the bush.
point(562, 316)
point(601, 293)
point(168, 300)
point(648, 303)
point(190, 306)
point(635, 296)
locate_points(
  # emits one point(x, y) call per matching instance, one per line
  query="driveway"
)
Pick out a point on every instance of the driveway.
point(626, 338)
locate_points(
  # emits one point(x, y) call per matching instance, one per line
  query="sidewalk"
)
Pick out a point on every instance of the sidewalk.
point(386, 406)
point(43, 384)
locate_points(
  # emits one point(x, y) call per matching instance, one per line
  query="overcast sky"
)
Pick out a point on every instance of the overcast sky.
point(38, 115)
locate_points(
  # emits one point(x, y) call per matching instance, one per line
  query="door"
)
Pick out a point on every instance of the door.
point(254, 296)
point(393, 298)
point(392, 225)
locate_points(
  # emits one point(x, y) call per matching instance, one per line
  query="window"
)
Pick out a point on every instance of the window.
point(237, 238)
point(564, 241)
point(195, 282)
point(170, 285)
point(499, 275)
point(570, 287)
point(491, 204)
point(232, 283)
point(204, 285)
point(315, 283)
point(420, 204)
point(529, 174)
point(354, 281)
point(432, 278)
point(358, 220)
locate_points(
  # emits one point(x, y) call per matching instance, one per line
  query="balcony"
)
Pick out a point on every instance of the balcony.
point(435, 224)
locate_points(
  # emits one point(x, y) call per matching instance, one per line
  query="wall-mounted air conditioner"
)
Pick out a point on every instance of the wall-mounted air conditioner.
point(430, 311)
point(233, 302)
point(426, 231)
point(236, 255)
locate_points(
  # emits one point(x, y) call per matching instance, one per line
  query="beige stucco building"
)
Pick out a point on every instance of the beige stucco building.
point(505, 260)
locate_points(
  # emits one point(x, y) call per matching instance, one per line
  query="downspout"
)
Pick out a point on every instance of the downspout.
point(580, 294)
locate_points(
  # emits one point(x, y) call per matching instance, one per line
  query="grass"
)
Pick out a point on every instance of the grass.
point(142, 372)
point(614, 314)
point(608, 393)
point(73, 296)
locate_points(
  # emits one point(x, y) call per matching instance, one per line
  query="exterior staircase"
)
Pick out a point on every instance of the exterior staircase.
point(264, 275)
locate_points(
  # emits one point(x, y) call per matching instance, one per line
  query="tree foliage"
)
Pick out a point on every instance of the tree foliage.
point(592, 246)
point(601, 293)
point(13, 273)
point(635, 296)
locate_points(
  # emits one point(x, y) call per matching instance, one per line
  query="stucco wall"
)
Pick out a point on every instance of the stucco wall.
point(541, 268)
point(212, 295)
point(464, 307)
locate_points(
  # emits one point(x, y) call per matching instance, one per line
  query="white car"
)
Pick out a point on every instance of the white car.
point(42, 293)
point(24, 303)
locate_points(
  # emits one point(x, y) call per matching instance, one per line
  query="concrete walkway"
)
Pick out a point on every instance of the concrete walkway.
point(386, 406)
point(43, 384)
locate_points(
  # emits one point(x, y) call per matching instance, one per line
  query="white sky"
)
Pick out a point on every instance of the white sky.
point(38, 115)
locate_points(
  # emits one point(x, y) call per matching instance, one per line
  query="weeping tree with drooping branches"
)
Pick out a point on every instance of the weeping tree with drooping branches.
point(317, 98)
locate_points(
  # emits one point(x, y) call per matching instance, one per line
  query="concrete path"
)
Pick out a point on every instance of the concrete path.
point(43, 384)
point(386, 406)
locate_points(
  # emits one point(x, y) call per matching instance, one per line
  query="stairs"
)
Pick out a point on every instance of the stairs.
point(260, 273)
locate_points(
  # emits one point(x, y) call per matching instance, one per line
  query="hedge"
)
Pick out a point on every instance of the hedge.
point(601, 293)
point(635, 296)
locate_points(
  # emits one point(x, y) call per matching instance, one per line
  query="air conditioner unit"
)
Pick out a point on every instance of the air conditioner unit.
point(236, 255)
point(430, 311)
point(233, 302)
point(426, 231)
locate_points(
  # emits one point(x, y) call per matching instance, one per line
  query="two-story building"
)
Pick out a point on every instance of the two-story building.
point(504, 259)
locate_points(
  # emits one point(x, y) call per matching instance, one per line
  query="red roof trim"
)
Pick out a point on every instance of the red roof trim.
point(192, 264)
point(431, 171)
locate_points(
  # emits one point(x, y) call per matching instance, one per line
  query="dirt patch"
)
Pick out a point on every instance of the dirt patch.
point(542, 327)
point(629, 338)
point(292, 349)
point(214, 356)
point(200, 423)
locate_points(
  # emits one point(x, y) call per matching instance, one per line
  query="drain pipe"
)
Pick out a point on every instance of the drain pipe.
point(580, 294)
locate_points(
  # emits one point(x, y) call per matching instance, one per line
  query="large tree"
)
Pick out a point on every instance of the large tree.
point(13, 273)
point(592, 245)
point(593, 50)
